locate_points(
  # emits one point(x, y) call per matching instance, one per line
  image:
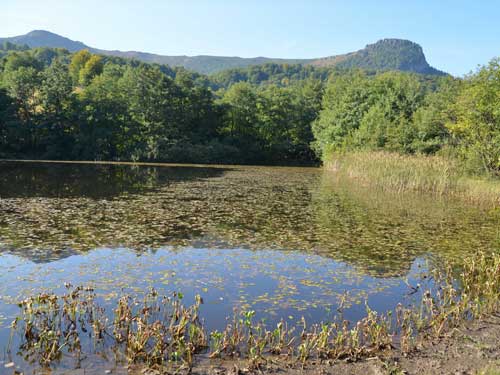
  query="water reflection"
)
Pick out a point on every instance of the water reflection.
point(286, 242)
point(98, 181)
point(381, 233)
point(293, 209)
point(274, 283)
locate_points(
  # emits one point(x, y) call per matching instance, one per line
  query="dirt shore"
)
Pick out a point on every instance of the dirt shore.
point(471, 349)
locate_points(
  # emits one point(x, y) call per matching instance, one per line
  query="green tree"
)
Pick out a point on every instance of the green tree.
point(22, 85)
point(374, 112)
point(346, 100)
point(309, 95)
point(151, 100)
point(93, 67)
point(275, 109)
point(477, 129)
point(241, 120)
point(56, 87)
point(431, 118)
point(10, 139)
point(77, 63)
point(372, 132)
point(24, 59)
point(399, 95)
point(104, 128)
point(56, 109)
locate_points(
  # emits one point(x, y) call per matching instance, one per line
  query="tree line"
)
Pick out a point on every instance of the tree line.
point(406, 113)
point(82, 106)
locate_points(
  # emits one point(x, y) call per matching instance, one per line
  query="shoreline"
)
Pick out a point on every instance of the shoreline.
point(158, 164)
point(472, 348)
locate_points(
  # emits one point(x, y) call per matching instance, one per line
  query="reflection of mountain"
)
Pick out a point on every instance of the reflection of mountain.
point(40, 255)
point(242, 207)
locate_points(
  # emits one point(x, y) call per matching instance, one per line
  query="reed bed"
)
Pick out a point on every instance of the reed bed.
point(418, 173)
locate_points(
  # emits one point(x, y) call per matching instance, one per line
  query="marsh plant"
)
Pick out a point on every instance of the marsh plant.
point(436, 175)
point(162, 332)
point(50, 325)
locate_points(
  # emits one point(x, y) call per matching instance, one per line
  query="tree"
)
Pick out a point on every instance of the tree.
point(22, 85)
point(477, 129)
point(56, 87)
point(151, 100)
point(372, 132)
point(307, 104)
point(10, 140)
point(347, 99)
point(196, 113)
point(54, 124)
point(398, 95)
point(24, 59)
point(374, 112)
point(431, 118)
point(45, 56)
point(275, 117)
point(93, 67)
point(78, 61)
point(240, 123)
point(105, 130)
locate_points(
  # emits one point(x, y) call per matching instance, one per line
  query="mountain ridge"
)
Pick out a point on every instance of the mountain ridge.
point(386, 54)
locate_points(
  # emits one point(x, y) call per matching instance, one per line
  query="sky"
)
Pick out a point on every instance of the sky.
point(456, 35)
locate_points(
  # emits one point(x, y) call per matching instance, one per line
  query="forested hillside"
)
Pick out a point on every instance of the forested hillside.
point(59, 105)
point(270, 74)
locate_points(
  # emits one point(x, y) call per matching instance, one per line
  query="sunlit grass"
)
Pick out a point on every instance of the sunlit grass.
point(427, 174)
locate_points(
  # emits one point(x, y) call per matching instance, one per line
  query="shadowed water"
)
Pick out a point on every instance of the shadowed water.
point(286, 242)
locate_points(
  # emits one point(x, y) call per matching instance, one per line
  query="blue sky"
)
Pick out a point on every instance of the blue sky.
point(456, 35)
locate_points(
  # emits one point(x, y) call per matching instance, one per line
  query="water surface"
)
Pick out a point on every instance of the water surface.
point(286, 242)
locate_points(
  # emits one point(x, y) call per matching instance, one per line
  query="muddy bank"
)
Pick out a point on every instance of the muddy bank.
point(471, 349)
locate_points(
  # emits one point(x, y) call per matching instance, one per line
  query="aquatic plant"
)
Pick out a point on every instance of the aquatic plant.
point(161, 332)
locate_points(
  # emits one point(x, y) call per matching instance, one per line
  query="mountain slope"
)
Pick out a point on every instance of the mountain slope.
point(42, 38)
point(387, 54)
point(201, 64)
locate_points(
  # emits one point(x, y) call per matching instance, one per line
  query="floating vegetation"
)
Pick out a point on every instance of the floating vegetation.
point(160, 332)
point(272, 282)
point(284, 246)
point(242, 207)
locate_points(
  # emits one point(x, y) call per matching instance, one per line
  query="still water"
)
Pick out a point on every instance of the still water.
point(285, 242)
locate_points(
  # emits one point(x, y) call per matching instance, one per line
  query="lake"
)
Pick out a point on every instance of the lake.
point(285, 242)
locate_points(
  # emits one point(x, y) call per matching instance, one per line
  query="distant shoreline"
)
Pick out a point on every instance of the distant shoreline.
point(154, 164)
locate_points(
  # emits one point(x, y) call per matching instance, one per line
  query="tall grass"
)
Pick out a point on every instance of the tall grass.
point(427, 174)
